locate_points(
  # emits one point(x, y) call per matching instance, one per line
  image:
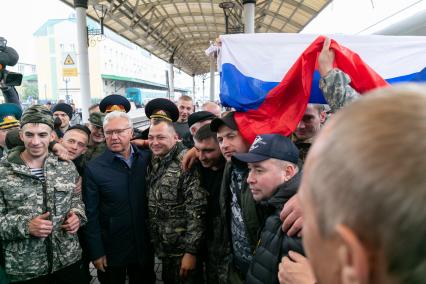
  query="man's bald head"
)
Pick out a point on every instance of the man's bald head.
point(364, 189)
point(213, 108)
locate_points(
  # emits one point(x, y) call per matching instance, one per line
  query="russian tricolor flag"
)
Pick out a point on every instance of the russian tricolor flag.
point(269, 78)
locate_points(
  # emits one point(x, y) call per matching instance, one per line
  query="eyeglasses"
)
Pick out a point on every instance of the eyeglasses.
point(119, 132)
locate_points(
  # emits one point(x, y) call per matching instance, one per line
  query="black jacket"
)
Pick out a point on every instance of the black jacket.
point(250, 210)
point(274, 243)
point(116, 206)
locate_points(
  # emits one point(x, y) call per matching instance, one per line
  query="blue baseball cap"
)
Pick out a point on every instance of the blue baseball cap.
point(268, 146)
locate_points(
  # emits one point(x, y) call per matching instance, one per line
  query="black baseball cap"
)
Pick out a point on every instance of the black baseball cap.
point(268, 146)
point(227, 120)
point(200, 116)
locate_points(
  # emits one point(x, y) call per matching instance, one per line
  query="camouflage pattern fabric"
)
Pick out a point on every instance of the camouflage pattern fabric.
point(23, 197)
point(338, 93)
point(37, 114)
point(177, 206)
point(336, 89)
point(171, 269)
point(92, 152)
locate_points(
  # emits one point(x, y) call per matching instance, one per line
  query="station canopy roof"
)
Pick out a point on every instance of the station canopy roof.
point(179, 31)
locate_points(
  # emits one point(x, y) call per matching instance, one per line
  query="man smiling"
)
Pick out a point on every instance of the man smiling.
point(40, 211)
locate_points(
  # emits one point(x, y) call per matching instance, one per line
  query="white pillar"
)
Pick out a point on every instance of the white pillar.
point(83, 57)
point(171, 82)
point(212, 70)
point(249, 12)
point(193, 87)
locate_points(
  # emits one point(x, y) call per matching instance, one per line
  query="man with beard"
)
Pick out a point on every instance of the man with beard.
point(63, 112)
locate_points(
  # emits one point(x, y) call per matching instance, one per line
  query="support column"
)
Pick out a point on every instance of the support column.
point(249, 12)
point(171, 82)
point(212, 70)
point(83, 56)
point(193, 87)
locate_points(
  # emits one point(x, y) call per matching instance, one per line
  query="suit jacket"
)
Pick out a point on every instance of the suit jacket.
point(116, 205)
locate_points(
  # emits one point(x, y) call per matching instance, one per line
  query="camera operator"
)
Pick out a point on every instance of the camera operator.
point(8, 80)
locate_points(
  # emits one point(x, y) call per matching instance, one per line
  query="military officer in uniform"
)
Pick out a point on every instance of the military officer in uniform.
point(154, 109)
point(177, 206)
point(114, 103)
point(40, 211)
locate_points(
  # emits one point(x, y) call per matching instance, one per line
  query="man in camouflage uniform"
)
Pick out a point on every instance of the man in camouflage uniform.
point(96, 144)
point(177, 207)
point(335, 86)
point(40, 211)
point(334, 83)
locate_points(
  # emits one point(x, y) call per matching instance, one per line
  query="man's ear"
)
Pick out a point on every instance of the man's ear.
point(353, 257)
point(289, 172)
point(323, 117)
point(53, 136)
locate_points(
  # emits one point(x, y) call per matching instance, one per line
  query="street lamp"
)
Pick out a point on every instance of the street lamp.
point(227, 7)
point(97, 34)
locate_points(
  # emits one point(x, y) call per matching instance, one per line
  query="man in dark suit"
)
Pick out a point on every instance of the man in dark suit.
point(115, 197)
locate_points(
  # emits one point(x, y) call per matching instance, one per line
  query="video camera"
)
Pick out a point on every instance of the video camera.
point(8, 57)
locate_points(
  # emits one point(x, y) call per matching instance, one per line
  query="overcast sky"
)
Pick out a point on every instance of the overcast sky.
point(21, 18)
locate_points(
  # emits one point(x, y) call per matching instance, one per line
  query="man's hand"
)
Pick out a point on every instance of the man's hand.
point(295, 269)
point(189, 159)
point(41, 227)
point(61, 152)
point(100, 263)
point(140, 143)
point(292, 217)
point(78, 185)
point(187, 264)
point(72, 223)
point(325, 59)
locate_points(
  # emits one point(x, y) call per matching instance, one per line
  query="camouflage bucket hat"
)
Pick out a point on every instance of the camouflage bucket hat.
point(97, 118)
point(37, 114)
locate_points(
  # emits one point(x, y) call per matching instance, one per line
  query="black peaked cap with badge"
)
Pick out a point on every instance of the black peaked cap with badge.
point(9, 115)
point(162, 108)
point(64, 108)
point(200, 116)
point(268, 146)
point(114, 103)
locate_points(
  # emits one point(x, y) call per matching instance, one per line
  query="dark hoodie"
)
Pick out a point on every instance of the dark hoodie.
point(273, 242)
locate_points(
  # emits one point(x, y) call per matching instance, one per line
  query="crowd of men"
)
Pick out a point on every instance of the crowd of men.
point(339, 201)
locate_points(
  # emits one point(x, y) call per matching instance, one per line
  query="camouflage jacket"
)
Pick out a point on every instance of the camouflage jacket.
point(336, 89)
point(92, 152)
point(177, 206)
point(22, 197)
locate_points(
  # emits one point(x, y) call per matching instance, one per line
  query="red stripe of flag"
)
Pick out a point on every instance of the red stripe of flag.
point(285, 105)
